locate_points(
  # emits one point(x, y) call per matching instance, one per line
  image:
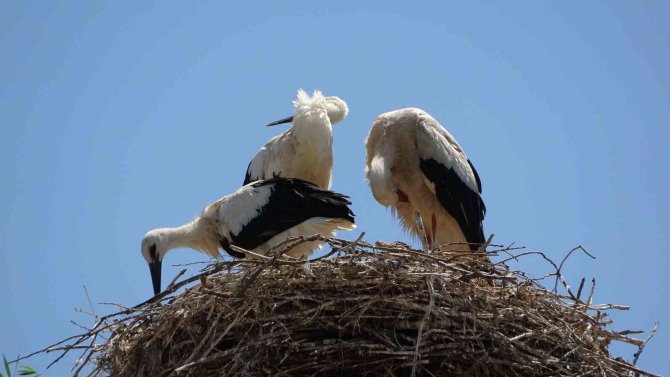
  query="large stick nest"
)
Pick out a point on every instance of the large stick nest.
point(360, 310)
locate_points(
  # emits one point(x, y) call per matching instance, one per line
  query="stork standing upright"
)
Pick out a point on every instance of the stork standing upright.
point(305, 151)
point(417, 168)
point(255, 217)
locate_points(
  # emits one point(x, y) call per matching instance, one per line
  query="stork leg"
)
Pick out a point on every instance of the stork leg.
point(425, 237)
point(433, 231)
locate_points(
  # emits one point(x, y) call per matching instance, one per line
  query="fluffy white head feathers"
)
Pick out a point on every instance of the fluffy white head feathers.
point(306, 106)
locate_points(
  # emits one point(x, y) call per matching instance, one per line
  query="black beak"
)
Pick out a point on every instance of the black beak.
point(281, 121)
point(155, 269)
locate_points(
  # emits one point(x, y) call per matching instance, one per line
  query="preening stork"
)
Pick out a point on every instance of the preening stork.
point(305, 151)
point(255, 217)
point(417, 168)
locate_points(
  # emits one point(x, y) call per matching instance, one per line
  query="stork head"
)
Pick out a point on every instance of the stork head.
point(337, 109)
point(154, 247)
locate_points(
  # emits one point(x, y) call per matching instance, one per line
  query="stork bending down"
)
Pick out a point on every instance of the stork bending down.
point(255, 217)
point(417, 168)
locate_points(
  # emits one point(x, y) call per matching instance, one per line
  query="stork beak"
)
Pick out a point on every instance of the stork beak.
point(155, 269)
point(281, 121)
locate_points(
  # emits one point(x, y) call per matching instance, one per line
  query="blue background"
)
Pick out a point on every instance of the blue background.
point(119, 117)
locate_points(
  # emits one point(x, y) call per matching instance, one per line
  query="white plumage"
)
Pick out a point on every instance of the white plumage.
point(255, 217)
point(305, 150)
point(417, 168)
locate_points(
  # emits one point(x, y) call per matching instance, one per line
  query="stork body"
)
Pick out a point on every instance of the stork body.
point(255, 217)
point(305, 151)
point(418, 169)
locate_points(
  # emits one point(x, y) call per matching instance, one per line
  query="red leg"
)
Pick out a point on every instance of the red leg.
point(433, 229)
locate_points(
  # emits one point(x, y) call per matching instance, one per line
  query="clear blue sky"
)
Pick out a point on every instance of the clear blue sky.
point(119, 117)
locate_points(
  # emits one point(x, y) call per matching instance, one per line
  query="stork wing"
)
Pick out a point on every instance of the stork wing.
point(454, 179)
point(291, 202)
point(259, 165)
point(267, 162)
point(248, 176)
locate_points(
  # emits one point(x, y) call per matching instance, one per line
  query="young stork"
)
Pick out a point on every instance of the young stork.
point(255, 217)
point(415, 166)
point(305, 151)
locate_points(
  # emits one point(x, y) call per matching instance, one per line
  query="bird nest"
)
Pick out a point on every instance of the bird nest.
point(361, 309)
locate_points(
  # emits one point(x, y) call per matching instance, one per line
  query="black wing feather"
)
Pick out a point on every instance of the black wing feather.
point(247, 176)
point(479, 186)
point(464, 204)
point(474, 171)
point(292, 201)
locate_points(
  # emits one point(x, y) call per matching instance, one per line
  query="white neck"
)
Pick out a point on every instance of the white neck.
point(381, 184)
point(313, 129)
point(194, 235)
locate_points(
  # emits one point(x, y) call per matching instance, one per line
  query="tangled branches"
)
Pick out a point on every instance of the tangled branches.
point(361, 309)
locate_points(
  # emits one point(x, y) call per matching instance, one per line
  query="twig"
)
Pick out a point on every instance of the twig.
point(637, 354)
point(593, 288)
point(174, 280)
point(90, 304)
point(565, 258)
point(579, 290)
point(486, 244)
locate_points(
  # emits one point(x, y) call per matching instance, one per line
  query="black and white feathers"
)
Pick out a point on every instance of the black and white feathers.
point(286, 207)
point(255, 217)
point(415, 166)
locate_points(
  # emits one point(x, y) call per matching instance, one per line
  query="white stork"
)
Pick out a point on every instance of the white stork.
point(305, 151)
point(255, 217)
point(415, 166)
